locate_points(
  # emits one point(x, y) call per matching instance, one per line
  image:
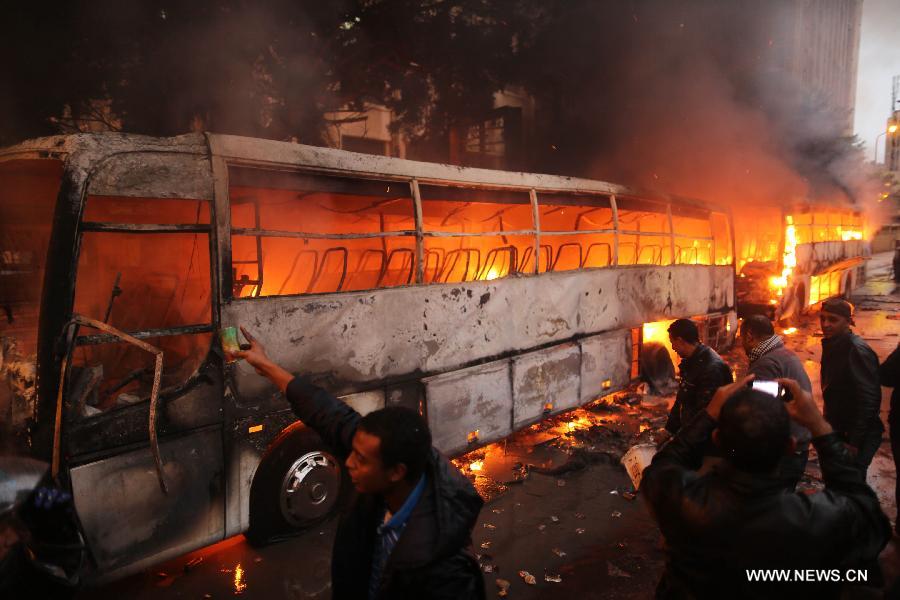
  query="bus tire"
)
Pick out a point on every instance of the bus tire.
point(298, 483)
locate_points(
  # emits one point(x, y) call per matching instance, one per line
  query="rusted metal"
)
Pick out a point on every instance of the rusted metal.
point(113, 294)
point(143, 228)
point(420, 227)
point(449, 234)
point(536, 220)
point(106, 338)
point(615, 216)
point(672, 231)
point(319, 236)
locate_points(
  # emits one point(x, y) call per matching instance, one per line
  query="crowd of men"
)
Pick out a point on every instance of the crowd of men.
point(722, 489)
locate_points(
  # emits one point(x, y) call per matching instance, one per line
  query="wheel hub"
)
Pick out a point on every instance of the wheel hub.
point(310, 488)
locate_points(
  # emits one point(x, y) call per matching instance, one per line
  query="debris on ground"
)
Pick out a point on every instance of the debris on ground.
point(503, 587)
point(527, 577)
point(615, 514)
point(552, 578)
point(192, 563)
point(558, 552)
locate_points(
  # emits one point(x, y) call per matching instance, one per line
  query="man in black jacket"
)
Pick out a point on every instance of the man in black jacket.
point(770, 360)
point(850, 388)
point(889, 372)
point(702, 373)
point(723, 526)
point(408, 532)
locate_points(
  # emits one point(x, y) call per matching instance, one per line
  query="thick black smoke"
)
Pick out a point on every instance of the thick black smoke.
point(695, 97)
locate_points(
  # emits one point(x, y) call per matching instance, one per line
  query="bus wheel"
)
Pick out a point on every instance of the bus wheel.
point(298, 484)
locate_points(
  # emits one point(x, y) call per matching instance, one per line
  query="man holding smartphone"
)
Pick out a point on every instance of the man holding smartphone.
point(723, 526)
point(850, 387)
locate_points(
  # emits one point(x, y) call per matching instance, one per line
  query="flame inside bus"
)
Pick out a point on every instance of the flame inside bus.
point(658, 332)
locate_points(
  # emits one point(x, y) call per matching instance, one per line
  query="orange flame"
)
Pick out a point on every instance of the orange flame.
point(477, 465)
point(789, 261)
point(239, 584)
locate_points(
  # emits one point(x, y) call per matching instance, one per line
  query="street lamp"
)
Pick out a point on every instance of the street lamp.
point(892, 128)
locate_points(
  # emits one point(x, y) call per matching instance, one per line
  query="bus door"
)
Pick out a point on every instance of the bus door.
point(144, 268)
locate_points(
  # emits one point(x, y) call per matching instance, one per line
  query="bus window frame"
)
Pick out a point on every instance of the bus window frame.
point(633, 201)
point(82, 227)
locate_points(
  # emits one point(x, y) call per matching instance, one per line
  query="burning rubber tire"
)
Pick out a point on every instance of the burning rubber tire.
point(299, 483)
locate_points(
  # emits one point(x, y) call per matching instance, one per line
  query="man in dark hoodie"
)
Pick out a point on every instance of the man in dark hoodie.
point(408, 531)
point(850, 389)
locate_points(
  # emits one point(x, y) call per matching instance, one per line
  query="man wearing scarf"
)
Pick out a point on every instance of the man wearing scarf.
point(769, 360)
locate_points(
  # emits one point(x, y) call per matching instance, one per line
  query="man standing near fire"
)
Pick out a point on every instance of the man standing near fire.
point(770, 360)
point(702, 372)
point(850, 388)
point(408, 531)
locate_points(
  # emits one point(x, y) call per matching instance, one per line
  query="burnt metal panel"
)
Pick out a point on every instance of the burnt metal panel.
point(351, 340)
point(546, 377)
point(605, 363)
point(198, 405)
point(477, 399)
point(127, 518)
point(409, 394)
point(154, 175)
point(249, 150)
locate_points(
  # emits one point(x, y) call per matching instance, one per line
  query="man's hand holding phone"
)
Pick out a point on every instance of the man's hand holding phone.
point(803, 409)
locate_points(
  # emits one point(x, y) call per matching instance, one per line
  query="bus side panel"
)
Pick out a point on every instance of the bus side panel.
point(469, 406)
point(605, 364)
point(545, 381)
point(362, 339)
point(128, 518)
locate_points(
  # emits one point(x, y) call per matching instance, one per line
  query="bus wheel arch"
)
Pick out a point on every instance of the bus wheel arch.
point(299, 482)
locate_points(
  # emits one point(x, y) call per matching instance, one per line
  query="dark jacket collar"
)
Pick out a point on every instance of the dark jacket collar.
point(443, 519)
point(700, 356)
point(749, 484)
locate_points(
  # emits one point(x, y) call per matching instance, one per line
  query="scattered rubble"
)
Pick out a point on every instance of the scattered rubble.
point(527, 577)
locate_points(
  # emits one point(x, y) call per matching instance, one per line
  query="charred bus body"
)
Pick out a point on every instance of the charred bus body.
point(484, 299)
point(790, 259)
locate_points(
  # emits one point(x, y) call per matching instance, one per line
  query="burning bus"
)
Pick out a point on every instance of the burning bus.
point(791, 259)
point(485, 299)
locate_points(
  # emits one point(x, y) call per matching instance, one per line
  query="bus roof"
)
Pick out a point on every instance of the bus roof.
point(93, 147)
